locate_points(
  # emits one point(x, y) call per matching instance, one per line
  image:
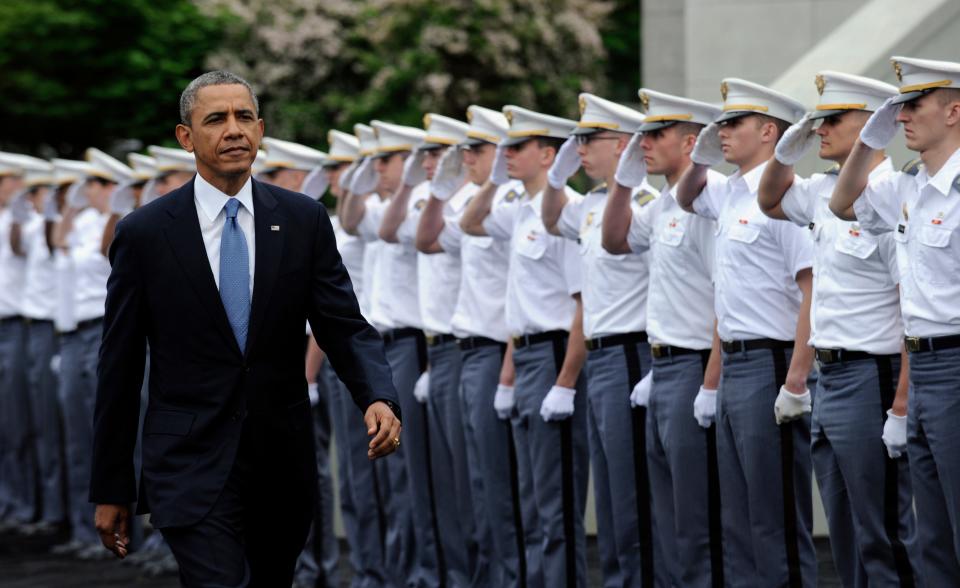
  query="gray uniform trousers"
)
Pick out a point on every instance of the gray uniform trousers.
point(78, 390)
point(866, 495)
point(318, 562)
point(684, 475)
point(413, 554)
point(449, 467)
point(765, 476)
point(363, 514)
point(493, 471)
point(18, 479)
point(621, 484)
point(48, 440)
point(933, 444)
point(558, 460)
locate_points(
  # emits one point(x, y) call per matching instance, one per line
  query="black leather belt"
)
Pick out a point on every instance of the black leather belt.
point(89, 323)
point(924, 344)
point(840, 355)
point(615, 340)
point(11, 319)
point(37, 321)
point(752, 344)
point(440, 339)
point(659, 351)
point(520, 341)
point(397, 334)
point(468, 343)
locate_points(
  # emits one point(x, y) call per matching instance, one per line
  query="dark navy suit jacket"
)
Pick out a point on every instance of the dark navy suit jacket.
point(204, 390)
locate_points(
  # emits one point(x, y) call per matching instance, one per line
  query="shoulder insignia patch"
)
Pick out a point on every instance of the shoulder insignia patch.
point(511, 196)
point(833, 170)
point(643, 197)
point(420, 204)
point(912, 167)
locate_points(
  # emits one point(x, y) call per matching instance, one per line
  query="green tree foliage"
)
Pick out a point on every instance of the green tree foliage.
point(75, 73)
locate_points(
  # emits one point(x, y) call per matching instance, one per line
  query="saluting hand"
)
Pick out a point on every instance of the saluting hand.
point(708, 150)
point(882, 125)
point(450, 175)
point(632, 168)
point(364, 179)
point(566, 163)
point(796, 141)
point(385, 428)
point(498, 173)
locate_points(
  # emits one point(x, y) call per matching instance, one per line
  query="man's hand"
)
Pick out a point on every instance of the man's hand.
point(122, 201)
point(77, 196)
point(316, 183)
point(796, 141)
point(313, 393)
point(557, 405)
point(790, 406)
point(421, 390)
point(498, 173)
point(705, 407)
point(641, 392)
point(449, 176)
point(708, 150)
point(413, 172)
point(21, 208)
point(385, 428)
point(632, 168)
point(112, 522)
point(365, 179)
point(566, 163)
point(346, 176)
point(895, 434)
point(882, 126)
point(504, 402)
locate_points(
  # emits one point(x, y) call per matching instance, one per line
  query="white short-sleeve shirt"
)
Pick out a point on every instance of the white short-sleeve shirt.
point(91, 268)
point(40, 280)
point(12, 269)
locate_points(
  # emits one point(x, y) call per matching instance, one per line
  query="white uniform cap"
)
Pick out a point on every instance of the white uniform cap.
point(106, 167)
point(289, 155)
point(393, 138)
point(144, 166)
point(259, 163)
point(486, 126)
point(35, 171)
point(922, 76)
point(69, 171)
point(170, 160)
point(599, 114)
point(741, 98)
point(663, 110)
point(840, 92)
point(344, 148)
point(443, 131)
point(10, 164)
point(368, 139)
point(526, 124)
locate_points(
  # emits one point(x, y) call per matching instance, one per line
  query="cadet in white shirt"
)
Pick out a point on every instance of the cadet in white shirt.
point(479, 325)
point(922, 212)
point(544, 315)
point(857, 333)
point(128, 195)
point(83, 281)
point(614, 325)
point(682, 458)
point(762, 299)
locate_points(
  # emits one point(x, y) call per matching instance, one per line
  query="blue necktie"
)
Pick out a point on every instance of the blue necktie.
point(235, 274)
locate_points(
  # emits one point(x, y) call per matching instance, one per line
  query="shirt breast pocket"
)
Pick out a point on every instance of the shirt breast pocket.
point(937, 263)
point(743, 233)
point(481, 242)
point(531, 248)
point(860, 247)
point(672, 236)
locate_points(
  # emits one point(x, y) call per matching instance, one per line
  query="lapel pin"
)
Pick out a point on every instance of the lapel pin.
point(274, 227)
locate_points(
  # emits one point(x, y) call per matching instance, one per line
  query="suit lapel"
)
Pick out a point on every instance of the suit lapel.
point(187, 243)
point(269, 228)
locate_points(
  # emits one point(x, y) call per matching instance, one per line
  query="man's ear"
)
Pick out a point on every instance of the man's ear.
point(185, 137)
point(768, 132)
point(262, 128)
point(953, 113)
point(688, 143)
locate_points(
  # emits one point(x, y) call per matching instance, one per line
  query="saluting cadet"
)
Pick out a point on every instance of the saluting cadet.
point(681, 456)
point(762, 300)
point(175, 167)
point(614, 325)
point(395, 312)
point(922, 212)
point(128, 195)
point(856, 331)
point(478, 323)
point(544, 315)
point(83, 281)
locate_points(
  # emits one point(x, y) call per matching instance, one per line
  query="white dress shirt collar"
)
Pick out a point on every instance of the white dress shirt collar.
point(943, 179)
point(212, 200)
point(751, 178)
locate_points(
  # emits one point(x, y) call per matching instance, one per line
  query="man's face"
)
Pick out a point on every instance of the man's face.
point(9, 185)
point(288, 179)
point(38, 197)
point(333, 177)
point(478, 159)
point(741, 139)
point(171, 181)
point(431, 158)
point(839, 132)
point(98, 193)
point(663, 150)
point(599, 152)
point(390, 168)
point(526, 161)
point(928, 120)
point(224, 131)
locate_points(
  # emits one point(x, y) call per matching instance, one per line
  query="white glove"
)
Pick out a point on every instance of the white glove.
point(632, 169)
point(449, 176)
point(504, 402)
point(796, 141)
point(565, 164)
point(498, 173)
point(707, 151)
point(21, 207)
point(882, 126)
point(346, 176)
point(316, 183)
point(77, 196)
point(557, 404)
point(55, 364)
point(895, 434)
point(705, 407)
point(790, 406)
point(122, 200)
point(641, 392)
point(364, 179)
point(421, 391)
point(413, 172)
point(313, 393)
point(50, 210)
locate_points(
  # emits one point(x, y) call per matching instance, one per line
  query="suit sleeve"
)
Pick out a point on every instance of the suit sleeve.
point(119, 377)
point(354, 348)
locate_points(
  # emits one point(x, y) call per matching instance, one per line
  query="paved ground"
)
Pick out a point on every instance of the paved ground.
point(24, 563)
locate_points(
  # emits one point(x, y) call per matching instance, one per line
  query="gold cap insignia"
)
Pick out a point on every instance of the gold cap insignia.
point(426, 121)
point(469, 116)
point(583, 105)
point(897, 70)
point(376, 132)
point(724, 88)
point(645, 101)
point(330, 137)
point(821, 84)
point(509, 115)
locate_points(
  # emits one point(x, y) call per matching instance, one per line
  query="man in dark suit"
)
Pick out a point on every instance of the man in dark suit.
point(219, 277)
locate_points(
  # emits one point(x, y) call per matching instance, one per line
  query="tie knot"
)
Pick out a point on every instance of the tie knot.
point(232, 206)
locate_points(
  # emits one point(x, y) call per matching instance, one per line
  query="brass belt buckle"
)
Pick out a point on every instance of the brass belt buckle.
point(658, 351)
point(589, 344)
point(431, 339)
point(913, 344)
point(517, 340)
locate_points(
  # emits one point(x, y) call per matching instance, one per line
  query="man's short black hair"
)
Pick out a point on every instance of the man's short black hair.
point(554, 142)
point(219, 77)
